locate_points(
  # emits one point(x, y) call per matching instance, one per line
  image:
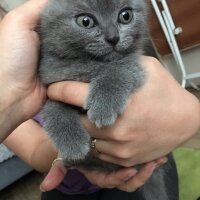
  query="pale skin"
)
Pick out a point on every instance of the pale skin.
point(30, 143)
point(146, 113)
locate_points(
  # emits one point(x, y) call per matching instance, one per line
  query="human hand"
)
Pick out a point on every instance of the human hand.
point(19, 84)
point(126, 179)
point(160, 116)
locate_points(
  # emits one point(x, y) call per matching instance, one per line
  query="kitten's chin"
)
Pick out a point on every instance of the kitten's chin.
point(113, 56)
point(108, 56)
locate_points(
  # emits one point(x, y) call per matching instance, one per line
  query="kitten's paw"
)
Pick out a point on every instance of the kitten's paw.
point(102, 112)
point(102, 117)
point(75, 154)
point(103, 107)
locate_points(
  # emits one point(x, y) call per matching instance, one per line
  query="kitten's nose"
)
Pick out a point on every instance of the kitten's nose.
point(113, 40)
point(112, 36)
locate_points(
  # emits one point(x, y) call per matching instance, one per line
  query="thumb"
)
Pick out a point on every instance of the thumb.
point(70, 92)
point(54, 177)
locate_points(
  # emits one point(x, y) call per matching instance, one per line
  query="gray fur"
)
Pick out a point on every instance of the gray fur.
point(106, 56)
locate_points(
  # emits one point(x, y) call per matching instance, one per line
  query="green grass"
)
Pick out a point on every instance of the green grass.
point(188, 164)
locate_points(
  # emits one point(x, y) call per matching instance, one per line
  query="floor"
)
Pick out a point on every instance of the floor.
point(27, 188)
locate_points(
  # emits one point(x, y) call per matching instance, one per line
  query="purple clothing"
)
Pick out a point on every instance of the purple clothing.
point(74, 182)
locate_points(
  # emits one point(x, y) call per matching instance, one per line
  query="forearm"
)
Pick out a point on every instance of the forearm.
point(32, 145)
point(43, 157)
point(21, 94)
point(9, 108)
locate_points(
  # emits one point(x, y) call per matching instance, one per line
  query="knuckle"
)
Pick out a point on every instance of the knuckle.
point(104, 182)
point(124, 153)
point(116, 136)
point(65, 90)
point(99, 183)
point(127, 164)
point(111, 183)
point(10, 15)
point(152, 60)
point(141, 183)
point(106, 185)
point(64, 93)
point(120, 136)
point(128, 188)
point(68, 92)
point(135, 186)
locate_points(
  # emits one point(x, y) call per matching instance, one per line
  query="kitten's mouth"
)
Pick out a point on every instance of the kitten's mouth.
point(114, 55)
point(107, 53)
point(100, 50)
point(109, 56)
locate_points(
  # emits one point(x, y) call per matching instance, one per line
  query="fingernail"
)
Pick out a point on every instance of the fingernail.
point(42, 189)
point(58, 163)
point(56, 160)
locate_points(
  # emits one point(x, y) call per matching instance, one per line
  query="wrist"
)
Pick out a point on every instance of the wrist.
point(11, 114)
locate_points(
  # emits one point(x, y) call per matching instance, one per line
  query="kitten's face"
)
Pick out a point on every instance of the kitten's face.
point(106, 29)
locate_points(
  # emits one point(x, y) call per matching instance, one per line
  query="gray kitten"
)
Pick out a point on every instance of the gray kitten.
point(99, 42)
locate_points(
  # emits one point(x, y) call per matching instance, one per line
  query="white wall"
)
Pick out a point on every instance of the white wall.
point(191, 59)
point(10, 4)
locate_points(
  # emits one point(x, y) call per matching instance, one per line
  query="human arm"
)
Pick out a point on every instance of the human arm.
point(21, 92)
point(31, 144)
point(159, 117)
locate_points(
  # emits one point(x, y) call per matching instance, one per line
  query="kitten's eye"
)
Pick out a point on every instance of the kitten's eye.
point(126, 16)
point(85, 21)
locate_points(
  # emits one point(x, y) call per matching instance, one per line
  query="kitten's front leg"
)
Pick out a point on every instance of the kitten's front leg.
point(108, 96)
point(62, 123)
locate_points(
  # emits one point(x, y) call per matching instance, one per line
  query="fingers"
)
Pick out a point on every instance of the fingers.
point(119, 153)
point(113, 152)
point(54, 177)
point(142, 176)
point(70, 92)
point(139, 179)
point(107, 132)
point(126, 179)
point(116, 160)
point(109, 180)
